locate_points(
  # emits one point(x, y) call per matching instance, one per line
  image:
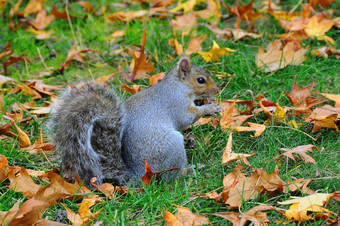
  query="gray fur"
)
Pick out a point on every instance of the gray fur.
point(87, 127)
point(99, 137)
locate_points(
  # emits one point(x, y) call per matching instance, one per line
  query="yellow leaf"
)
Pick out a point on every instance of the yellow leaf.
point(24, 140)
point(215, 53)
point(334, 97)
point(186, 6)
point(314, 28)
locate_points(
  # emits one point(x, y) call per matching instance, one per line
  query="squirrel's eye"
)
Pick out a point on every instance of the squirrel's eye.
point(201, 80)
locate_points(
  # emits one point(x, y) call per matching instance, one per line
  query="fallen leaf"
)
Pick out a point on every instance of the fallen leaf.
point(42, 20)
point(300, 207)
point(300, 150)
point(210, 121)
point(33, 7)
point(107, 189)
point(135, 88)
point(278, 117)
point(323, 3)
point(184, 23)
point(117, 34)
point(104, 79)
point(215, 53)
point(6, 127)
point(13, 60)
point(61, 15)
point(258, 128)
point(22, 182)
point(195, 45)
point(6, 51)
point(187, 6)
point(40, 35)
point(3, 166)
point(24, 140)
point(317, 29)
point(297, 95)
point(173, 42)
point(75, 54)
point(87, 6)
point(277, 57)
point(239, 34)
point(149, 174)
point(324, 118)
point(126, 16)
point(222, 34)
point(184, 216)
point(237, 188)
point(155, 78)
point(254, 215)
point(26, 90)
point(141, 66)
point(31, 211)
point(334, 97)
point(212, 11)
point(244, 13)
point(325, 52)
point(230, 156)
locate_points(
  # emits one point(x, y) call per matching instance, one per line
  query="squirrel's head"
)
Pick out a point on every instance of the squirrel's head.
point(196, 78)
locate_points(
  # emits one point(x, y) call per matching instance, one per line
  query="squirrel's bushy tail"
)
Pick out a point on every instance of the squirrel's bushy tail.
point(86, 125)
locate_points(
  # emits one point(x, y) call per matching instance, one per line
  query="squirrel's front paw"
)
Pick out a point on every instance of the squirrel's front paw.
point(213, 109)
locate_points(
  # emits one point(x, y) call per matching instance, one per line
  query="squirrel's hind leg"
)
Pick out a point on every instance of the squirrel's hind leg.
point(106, 141)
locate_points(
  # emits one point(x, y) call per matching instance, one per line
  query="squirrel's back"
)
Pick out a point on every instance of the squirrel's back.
point(87, 128)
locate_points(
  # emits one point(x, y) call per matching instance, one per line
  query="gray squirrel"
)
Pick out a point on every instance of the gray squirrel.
point(99, 136)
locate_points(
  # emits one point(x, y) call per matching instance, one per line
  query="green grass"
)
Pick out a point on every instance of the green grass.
point(148, 207)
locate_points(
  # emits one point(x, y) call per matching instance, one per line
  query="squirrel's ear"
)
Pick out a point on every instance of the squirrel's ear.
point(184, 66)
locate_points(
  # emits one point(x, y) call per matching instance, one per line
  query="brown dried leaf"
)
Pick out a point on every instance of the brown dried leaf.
point(107, 189)
point(324, 117)
point(104, 79)
point(141, 66)
point(61, 15)
point(173, 42)
point(149, 174)
point(155, 78)
point(334, 97)
point(230, 156)
point(13, 60)
point(195, 45)
point(258, 128)
point(6, 51)
point(213, 10)
point(297, 95)
point(135, 88)
point(22, 182)
point(33, 7)
point(254, 215)
point(87, 6)
point(42, 20)
point(24, 140)
point(300, 150)
point(26, 90)
point(184, 217)
point(210, 121)
point(244, 13)
point(30, 212)
point(277, 57)
point(184, 23)
point(75, 54)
